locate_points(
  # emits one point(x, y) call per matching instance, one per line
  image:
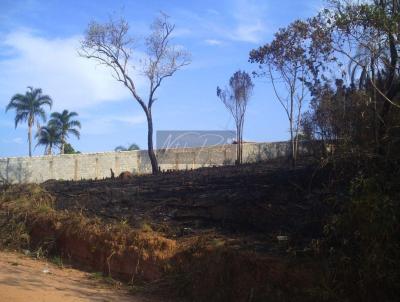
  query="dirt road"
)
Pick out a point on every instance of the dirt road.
point(25, 279)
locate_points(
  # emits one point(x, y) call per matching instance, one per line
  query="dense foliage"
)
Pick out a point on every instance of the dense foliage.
point(348, 58)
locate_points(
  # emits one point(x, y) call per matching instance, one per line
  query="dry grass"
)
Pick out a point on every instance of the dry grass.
point(29, 221)
point(199, 266)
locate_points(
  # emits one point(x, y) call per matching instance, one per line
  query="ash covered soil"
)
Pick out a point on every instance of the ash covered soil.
point(252, 203)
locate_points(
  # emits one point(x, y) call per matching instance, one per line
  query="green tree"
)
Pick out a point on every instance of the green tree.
point(283, 62)
point(68, 149)
point(48, 136)
point(363, 110)
point(292, 62)
point(372, 29)
point(28, 108)
point(67, 125)
point(130, 148)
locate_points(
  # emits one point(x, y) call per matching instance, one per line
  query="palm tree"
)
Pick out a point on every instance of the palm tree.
point(48, 136)
point(130, 148)
point(28, 108)
point(64, 122)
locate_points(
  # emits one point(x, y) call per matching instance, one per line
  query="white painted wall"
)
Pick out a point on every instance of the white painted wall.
point(97, 165)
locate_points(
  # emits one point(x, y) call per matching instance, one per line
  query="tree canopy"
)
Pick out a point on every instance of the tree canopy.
point(29, 107)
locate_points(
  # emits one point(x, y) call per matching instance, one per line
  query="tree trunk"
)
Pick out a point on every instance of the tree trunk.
point(240, 147)
point(30, 139)
point(390, 93)
point(296, 137)
point(237, 144)
point(152, 156)
point(62, 145)
point(292, 138)
point(292, 146)
point(375, 126)
point(296, 147)
point(241, 141)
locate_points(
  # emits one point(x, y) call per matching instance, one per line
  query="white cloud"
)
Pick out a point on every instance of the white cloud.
point(17, 140)
point(213, 42)
point(132, 120)
point(181, 32)
point(212, 11)
point(110, 124)
point(250, 18)
point(54, 65)
point(244, 21)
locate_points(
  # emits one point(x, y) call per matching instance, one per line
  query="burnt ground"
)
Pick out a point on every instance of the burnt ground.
point(252, 203)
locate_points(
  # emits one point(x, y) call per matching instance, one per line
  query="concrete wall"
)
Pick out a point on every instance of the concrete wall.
point(97, 165)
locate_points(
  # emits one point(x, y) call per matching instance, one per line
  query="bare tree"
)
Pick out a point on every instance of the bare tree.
point(284, 63)
point(110, 45)
point(235, 99)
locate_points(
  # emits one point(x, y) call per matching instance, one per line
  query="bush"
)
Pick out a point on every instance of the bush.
point(364, 241)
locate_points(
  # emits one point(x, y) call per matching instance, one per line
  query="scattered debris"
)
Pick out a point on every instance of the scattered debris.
point(46, 270)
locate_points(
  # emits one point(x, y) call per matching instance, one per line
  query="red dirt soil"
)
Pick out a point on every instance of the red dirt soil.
point(22, 279)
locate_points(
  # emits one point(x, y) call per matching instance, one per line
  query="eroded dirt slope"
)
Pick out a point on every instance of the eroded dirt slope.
point(208, 235)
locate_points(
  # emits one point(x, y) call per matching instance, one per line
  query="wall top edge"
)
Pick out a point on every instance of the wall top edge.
point(126, 152)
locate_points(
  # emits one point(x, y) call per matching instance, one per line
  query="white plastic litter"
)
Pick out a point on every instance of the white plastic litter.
point(46, 270)
point(282, 238)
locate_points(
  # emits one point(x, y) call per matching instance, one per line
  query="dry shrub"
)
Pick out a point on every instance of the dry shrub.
point(14, 232)
point(363, 242)
point(115, 249)
point(204, 271)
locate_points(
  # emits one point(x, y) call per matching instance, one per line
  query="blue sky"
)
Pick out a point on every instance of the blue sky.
point(38, 47)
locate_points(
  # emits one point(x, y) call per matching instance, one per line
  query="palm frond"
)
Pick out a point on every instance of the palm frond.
point(41, 113)
point(16, 102)
point(55, 115)
point(74, 132)
point(72, 114)
point(63, 121)
point(74, 123)
point(133, 147)
point(19, 97)
point(20, 117)
point(120, 148)
point(45, 100)
point(48, 135)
